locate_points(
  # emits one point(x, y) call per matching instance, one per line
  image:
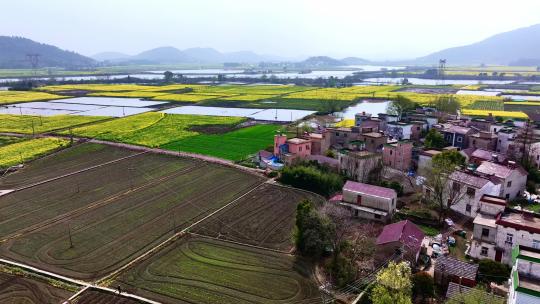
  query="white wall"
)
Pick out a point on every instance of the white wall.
point(520, 237)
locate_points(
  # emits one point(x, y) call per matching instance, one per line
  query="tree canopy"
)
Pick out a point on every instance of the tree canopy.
point(400, 105)
point(393, 285)
point(447, 104)
point(434, 140)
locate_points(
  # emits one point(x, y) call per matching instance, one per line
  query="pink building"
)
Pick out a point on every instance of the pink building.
point(398, 155)
point(299, 146)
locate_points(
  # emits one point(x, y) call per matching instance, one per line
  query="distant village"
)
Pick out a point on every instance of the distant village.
point(449, 192)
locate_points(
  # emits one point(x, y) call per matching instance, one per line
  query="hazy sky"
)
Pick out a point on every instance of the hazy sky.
point(377, 29)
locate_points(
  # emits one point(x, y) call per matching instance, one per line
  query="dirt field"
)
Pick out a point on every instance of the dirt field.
point(99, 297)
point(67, 161)
point(87, 225)
point(18, 290)
point(200, 270)
point(263, 218)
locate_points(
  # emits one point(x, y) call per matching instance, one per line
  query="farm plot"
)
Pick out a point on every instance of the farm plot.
point(66, 161)
point(263, 218)
point(90, 224)
point(6, 140)
point(93, 296)
point(19, 290)
point(200, 270)
point(20, 152)
point(235, 145)
point(8, 97)
point(152, 129)
point(27, 124)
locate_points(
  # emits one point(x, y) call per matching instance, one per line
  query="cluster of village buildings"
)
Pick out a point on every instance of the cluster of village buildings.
point(491, 180)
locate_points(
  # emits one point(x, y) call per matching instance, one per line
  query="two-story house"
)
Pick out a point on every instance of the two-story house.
point(398, 155)
point(369, 201)
point(483, 244)
point(466, 189)
point(456, 136)
point(511, 176)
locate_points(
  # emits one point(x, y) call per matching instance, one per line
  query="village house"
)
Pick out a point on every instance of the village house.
point(425, 159)
point(401, 130)
point(484, 140)
point(384, 119)
point(465, 190)
point(342, 136)
point(398, 155)
point(525, 276)
point(373, 141)
point(496, 235)
point(512, 177)
point(449, 269)
point(404, 237)
point(363, 121)
point(357, 165)
point(482, 124)
point(429, 120)
point(456, 136)
point(369, 201)
point(478, 156)
point(505, 137)
point(483, 244)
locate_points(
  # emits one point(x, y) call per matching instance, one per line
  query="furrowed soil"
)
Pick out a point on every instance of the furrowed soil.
point(19, 290)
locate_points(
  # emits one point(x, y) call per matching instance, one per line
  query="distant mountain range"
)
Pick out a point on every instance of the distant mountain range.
point(172, 55)
point(14, 51)
point(517, 47)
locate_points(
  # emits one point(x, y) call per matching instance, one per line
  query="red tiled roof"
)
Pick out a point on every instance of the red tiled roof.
point(404, 232)
point(370, 189)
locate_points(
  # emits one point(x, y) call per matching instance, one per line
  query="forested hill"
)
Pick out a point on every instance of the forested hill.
point(14, 51)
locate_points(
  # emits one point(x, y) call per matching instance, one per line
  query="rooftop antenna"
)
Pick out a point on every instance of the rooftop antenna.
point(33, 59)
point(442, 68)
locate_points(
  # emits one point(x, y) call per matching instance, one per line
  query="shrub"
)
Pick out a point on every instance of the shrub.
point(492, 271)
point(423, 285)
point(311, 178)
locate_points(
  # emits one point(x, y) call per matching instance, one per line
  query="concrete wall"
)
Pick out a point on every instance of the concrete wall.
point(388, 205)
point(520, 237)
point(474, 201)
point(398, 157)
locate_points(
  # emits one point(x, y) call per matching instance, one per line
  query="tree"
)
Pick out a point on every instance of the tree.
point(442, 191)
point(447, 104)
point(311, 178)
point(311, 230)
point(393, 285)
point(434, 140)
point(492, 271)
point(423, 285)
point(168, 76)
point(400, 105)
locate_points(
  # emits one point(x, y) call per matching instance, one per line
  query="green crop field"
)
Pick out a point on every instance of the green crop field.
point(23, 151)
point(8, 97)
point(28, 124)
point(235, 145)
point(6, 140)
point(153, 129)
point(205, 271)
point(89, 224)
point(487, 105)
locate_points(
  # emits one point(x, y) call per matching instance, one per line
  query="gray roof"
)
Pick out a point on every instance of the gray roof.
point(453, 266)
point(469, 179)
point(454, 289)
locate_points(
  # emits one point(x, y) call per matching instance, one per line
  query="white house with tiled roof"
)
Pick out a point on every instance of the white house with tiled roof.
point(369, 201)
point(512, 177)
point(467, 189)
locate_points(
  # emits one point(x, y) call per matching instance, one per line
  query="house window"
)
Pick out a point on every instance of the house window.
point(509, 238)
point(459, 139)
point(468, 208)
point(390, 152)
point(377, 216)
point(470, 191)
point(345, 135)
point(484, 251)
point(536, 244)
point(485, 232)
point(509, 184)
point(507, 196)
point(474, 142)
point(456, 186)
point(300, 149)
point(337, 134)
point(307, 147)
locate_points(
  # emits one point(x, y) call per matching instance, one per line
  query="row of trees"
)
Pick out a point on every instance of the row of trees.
point(312, 178)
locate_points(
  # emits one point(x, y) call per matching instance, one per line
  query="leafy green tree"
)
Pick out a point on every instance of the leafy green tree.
point(492, 271)
point(311, 230)
point(450, 158)
point(168, 76)
point(423, 285)
point(400, 105)
point(434, 140)
point(393, 285)
point(447, 104)
point(311, 178)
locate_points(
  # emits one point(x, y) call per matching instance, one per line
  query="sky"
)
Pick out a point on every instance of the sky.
point(376, 30)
